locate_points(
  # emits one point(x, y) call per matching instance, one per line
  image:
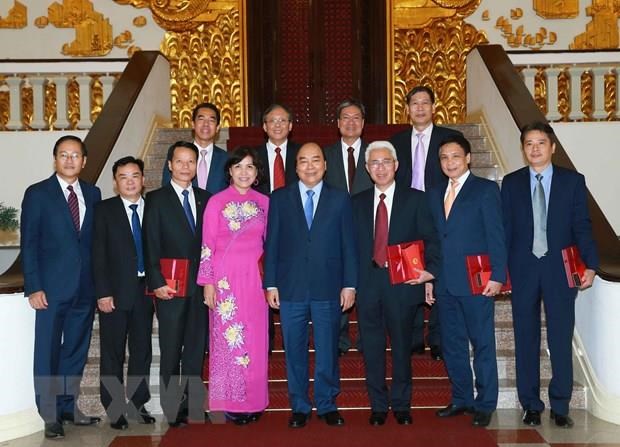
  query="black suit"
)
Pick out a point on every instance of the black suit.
point(290, 175)
point(115, 264)
point(182, 321)
point(382, 306)
point(433, 177)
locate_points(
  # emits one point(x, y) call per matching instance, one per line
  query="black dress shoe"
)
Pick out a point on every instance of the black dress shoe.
point(54, 430)
point(342, 352)
point(298, 420)
point(144, 417)
point(254, 417)
point(377, 418)
point(481, 418)
point(453, 410)
point(403, 417)
point(180, 421)
point(120, 424)
point(79, 418)
point(436, 353)
point(332, 418)
point(418, 349)
point(561, 421)
point(531, 417)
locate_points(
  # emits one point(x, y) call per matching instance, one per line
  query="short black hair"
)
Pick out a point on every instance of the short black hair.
point(421, 88)
point(237, 155)
point(274, 106)
point(537, 125)
point(348, 103)
point(70, 138)
point(128, 160)
point(206, 105)
point(457, 139)
point(185, 144)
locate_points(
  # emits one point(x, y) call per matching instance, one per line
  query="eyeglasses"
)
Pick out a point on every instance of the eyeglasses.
point(386, 162)
point(64, 156)
point(348, 118)
point(277, 121)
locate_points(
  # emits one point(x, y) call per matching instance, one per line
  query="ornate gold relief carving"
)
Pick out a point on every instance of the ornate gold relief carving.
point(520, 38)
point(419, 13)
point(557, 9)
point(206, 65)
point(123, 39)
point(139, 21)
point(17, 17)
point(435, 56)
point(602, 31)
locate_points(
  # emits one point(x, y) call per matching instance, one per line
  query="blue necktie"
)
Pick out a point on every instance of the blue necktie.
point(188, 211)
point(137, 236)
point(309, 208)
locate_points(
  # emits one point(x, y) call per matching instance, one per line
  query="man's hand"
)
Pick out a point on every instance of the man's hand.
point(106, 304)
point(37, 300)
point(424, 277)
point(587, 279)
point(164, 292)
point(273, 298)
point(492, 288)
point(347, 298)
point(428, 293)
point(209, 295)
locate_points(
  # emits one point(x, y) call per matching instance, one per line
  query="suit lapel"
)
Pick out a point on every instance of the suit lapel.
point(554, 196)
point(177, 208)
point(339, 166)
point(461, 197)
point(296, 205)
point(360, 169)
point(289, 169)
point(58, 196)
point(322, 207)
point(120, 215)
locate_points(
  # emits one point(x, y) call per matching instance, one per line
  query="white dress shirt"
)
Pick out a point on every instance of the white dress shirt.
point(357, 145)
point(192, 200)
point(462, 179)
point(129, 212)
point(389, 199)
point(78, 193)
point(271, 157)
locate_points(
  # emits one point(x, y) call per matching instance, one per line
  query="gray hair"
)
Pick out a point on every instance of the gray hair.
point(375, 145)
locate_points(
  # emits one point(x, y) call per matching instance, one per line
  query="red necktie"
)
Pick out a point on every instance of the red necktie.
point(379, 253)
point(351, 168)
point(278, 170)
point(74, 208)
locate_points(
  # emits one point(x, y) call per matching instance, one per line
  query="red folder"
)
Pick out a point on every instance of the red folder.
point(175, 272)
point(403, 259)
point(573, 265)
point(479, 274)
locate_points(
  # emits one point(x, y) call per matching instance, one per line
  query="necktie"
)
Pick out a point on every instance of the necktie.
point(351, 168)
point(278, 170)
point(379, 252)
point(203, 170)
point(539, 209)
point(450, 198)
point(309, 207)
point(74, 208)
point(188, 211)
point(137, 236)
point(419, 163)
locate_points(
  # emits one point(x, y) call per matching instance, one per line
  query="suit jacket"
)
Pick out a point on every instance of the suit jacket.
point(115, 260)
point(167, 234)
point(310, 264)
point(216, 180)
point(568, 223)
point(335, 174)
point(410, 220)
point(290, 175)
point(473, 227)
point(433, 175)
point(55, 258)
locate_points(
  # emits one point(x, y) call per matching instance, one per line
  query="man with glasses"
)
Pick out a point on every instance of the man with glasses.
point(385, 215)
point(56, 238)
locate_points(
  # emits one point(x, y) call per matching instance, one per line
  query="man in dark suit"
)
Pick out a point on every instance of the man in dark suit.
point(278, 153)
point(385, 215)
point(210, 170)
point(173, 229)
point(345, 170)
point(418, 154)
point(468, 215)
point(56, 238)
point(125, 313)
point(311, 275)
point(545, 211)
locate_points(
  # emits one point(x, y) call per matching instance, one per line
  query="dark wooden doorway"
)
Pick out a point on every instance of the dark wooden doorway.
point(312, 54)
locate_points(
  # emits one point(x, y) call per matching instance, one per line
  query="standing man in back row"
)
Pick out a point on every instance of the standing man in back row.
point(418, 156)
point(346, 170)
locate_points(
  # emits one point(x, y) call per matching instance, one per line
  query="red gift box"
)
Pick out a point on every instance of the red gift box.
point(175, 272)
point(479, 274)
point(573, 265)
point(403, 259)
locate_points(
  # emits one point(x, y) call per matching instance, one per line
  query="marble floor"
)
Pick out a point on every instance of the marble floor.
point(506, 428)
